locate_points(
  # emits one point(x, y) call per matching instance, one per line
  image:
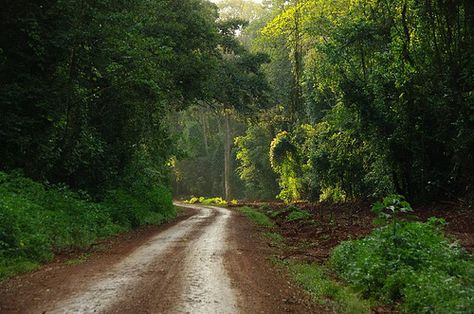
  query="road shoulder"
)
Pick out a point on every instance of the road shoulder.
point(263, 286)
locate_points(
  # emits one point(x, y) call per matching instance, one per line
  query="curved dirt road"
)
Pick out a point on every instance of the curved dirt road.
point(211, 262)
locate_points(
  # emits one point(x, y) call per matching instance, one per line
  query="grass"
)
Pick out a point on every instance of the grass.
point(79, 260)
point(18, 267)
point(298, 214)
point(311, 277)
point(257, 217)
point(326, 291)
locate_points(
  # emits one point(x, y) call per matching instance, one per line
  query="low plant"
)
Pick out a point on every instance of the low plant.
point(333, 194)
point(209, 201)
point(326, 291)
point(411, 263)
point(37, 221)
point(298, 214)
point(282, 211)
point(256, 216)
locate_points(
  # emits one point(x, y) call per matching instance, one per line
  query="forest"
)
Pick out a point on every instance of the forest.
point(361, 99)
point(109, 110)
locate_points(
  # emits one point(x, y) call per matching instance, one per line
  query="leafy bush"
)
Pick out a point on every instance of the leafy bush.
point(336, 195)
point(36, 221)
point(141, 207)
point(285, 161)
point(416, 265)
point(254, 167)
point(214, 201)
point(209, 201)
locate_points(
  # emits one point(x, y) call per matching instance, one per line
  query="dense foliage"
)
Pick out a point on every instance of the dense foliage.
point(387, 89)
point(37, 221)
point(416, 266)
point(85, 86)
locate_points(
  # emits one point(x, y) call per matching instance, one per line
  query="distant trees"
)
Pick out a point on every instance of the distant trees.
point(237, 90)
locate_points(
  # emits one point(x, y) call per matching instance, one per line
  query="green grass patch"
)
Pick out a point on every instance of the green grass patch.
point(275, 238)
point(326, 291)
point(256, 216)
point(14, 267)
point(281, 211)
point(298, 214)
point(79, 260)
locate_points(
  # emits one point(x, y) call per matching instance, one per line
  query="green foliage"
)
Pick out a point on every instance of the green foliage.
point(284, 160)
point(390, 207)
point(335, 195)
point(298, 214)
point(214, 201)
point(256, 216)
point(325, 290)
point(389, 94)
point(209, 201)
point(85, 86)
point(416, 266)
point(141, 206)
point(36, 221)
point(281, 211)
point(254, 165)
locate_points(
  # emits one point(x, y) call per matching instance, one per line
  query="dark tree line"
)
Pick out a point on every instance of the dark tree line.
point(85, 85)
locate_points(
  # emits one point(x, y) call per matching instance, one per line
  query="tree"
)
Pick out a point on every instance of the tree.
point(240, 86)
point(86, 85)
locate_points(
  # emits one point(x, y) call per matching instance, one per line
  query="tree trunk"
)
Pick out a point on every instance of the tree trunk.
point(227, 156)
point(205, 129)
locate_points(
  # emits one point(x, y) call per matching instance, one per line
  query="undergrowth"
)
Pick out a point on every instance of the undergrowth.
point(209, 201)
point(326, 291)
point(410, 266)
point(257, 217)
point(37, 221)
point(410, 263)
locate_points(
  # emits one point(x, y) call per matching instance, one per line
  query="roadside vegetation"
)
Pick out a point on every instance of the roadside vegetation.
point(257, 217)
point(207, 201)
point(38, 221)
point(401, 264)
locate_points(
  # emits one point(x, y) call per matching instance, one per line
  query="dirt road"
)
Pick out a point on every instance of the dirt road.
point(211, 261)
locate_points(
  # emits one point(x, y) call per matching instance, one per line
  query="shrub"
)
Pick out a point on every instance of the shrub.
point(416, 265)
point(284, 159)
point(336, 195)
point(214, 201)
point(209, 201)
point(141, 207)
point(36, 221)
